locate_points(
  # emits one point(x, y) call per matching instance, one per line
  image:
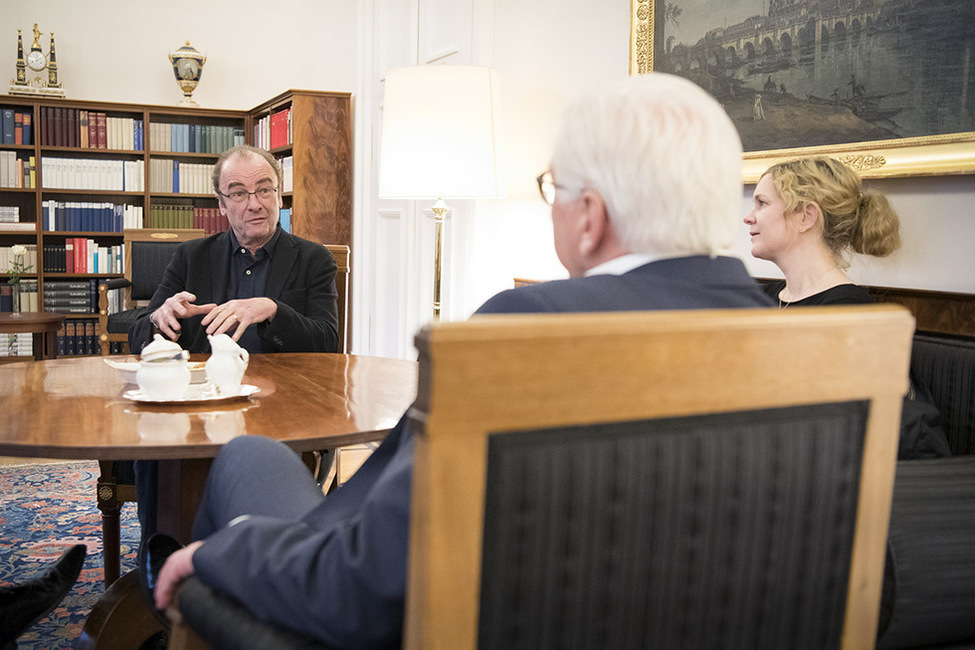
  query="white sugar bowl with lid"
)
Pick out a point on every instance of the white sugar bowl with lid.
point(163, 371)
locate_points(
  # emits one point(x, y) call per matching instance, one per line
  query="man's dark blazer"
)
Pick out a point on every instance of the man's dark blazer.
point(339, 574)
point(301, 281)
point(697, 282)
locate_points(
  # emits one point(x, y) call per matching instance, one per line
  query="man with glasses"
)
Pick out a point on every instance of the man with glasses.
point(266, 288)
point(645, 190)
point(269, 290)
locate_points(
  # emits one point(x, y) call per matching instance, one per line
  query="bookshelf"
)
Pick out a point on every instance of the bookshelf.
point(317, 138)
point(100, 167)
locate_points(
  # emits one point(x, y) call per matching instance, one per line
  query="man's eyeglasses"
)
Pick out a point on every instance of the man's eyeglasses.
point(547, 187)
point(239, 196)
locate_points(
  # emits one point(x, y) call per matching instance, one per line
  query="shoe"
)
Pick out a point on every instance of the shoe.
point(152, 556)
point(23, 605)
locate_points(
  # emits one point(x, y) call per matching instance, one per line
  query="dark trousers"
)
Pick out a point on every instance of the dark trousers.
point(251, 475)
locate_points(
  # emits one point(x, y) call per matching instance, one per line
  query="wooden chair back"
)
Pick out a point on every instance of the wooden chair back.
point(746, 398)
point(342, 255)
point(146, 253)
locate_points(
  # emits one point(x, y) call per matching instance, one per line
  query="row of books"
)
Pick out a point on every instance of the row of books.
point(274, 130)
point(73, 127)
point(15, 127)
point(81, 255)
point(87, 216)
point(78, 338)
point(187, 216)
point(29, 259)
point(16, 345)
point(287, 173)
point(194, 138)
point(71, 296)
point(24, 299)
point(9, 214)
point(17, 171)
point(173, 176)
point(91, 174)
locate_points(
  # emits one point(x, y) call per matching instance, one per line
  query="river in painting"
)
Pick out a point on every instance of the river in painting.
point(810, 72)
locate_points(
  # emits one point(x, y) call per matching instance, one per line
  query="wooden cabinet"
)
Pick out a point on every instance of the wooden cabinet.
point(320, 148)
point(99, 167)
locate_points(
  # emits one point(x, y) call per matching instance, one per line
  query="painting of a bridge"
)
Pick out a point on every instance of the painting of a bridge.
point(825, 73)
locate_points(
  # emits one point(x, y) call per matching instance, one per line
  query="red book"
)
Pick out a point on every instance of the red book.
point(58, 126)
point(69, 255)
point(279, 129)
point(92, 130)
point(80, 255)
point(102, 131)
point(18, 128)
point(42, 125)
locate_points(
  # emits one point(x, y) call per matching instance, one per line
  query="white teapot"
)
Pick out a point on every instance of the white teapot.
point(226, 365)
point(163, 372)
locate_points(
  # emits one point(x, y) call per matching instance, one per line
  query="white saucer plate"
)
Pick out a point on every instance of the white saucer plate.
point(195, 394)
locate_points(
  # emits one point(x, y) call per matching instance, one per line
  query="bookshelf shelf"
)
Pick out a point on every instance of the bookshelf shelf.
point(89, 151)
point(66, 190)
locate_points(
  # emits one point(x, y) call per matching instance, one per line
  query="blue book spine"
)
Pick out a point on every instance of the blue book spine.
point(28, 129)
point(7, 120)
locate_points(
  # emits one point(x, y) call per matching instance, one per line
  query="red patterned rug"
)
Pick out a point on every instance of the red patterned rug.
point(45, 509)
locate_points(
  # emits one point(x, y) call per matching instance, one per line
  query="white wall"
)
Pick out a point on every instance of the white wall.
point(117, 50)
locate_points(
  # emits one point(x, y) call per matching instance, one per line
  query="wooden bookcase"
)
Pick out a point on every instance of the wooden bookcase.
point(188, 138)
point(321, 151)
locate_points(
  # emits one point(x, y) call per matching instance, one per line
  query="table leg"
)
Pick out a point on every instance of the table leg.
point(50, 345)
point(181, 484)
point(40, 346)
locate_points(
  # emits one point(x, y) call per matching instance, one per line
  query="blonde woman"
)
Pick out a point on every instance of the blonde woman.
point(809, 216)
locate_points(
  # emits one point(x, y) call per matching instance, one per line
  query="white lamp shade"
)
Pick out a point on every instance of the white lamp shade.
point(440, 135)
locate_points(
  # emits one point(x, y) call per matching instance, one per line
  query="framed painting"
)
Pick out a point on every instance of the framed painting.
point(887, 86)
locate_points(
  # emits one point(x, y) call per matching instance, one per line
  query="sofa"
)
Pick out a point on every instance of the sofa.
point(929, 581)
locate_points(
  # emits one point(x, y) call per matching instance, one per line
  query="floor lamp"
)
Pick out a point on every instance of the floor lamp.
point(440, 140)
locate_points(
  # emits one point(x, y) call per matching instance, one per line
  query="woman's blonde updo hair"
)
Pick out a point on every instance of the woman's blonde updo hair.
point(853, 218)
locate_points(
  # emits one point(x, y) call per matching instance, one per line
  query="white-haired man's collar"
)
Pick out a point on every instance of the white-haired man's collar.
point(626, 263)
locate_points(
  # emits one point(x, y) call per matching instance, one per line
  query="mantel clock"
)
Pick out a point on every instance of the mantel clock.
point(44, 69)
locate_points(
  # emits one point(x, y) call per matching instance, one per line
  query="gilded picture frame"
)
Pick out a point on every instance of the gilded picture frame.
point(922, 155)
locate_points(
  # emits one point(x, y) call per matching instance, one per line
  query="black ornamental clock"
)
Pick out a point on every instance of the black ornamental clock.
point(37, 73)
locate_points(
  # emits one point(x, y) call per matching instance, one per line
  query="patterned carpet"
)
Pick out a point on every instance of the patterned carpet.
point(44, 509)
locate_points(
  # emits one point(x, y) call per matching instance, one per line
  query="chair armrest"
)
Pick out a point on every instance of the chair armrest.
point(103, 288)
point(114, 283)
point(223, 622)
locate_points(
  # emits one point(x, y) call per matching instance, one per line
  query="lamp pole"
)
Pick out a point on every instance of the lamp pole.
point(439, 212)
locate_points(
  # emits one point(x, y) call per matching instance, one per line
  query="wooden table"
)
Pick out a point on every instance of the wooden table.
point(44, 325)
point(74, 408)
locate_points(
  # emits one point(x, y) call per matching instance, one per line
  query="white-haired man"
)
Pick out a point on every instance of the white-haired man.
point(645, 189)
